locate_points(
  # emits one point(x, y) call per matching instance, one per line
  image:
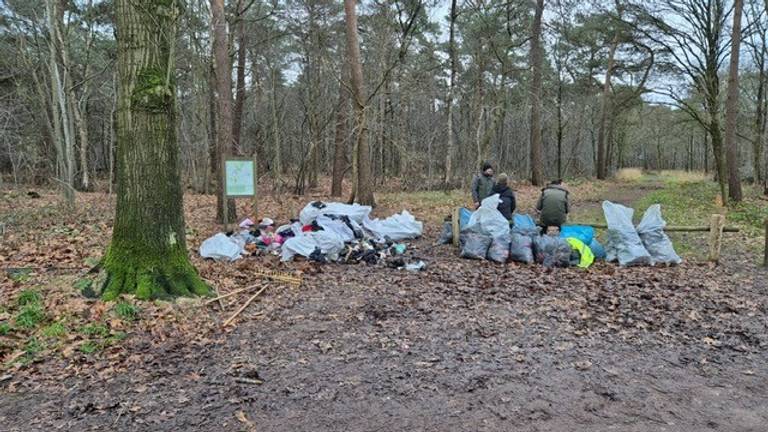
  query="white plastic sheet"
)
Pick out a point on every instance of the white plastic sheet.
point(488, 219)
point(221, 247)
point(354, 212)
point(336, 226)
point(623, 243)
point(329, 243)
point(655, 240)
point(397, 227)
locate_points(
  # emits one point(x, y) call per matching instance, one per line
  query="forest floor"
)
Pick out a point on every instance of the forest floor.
point(461, 346)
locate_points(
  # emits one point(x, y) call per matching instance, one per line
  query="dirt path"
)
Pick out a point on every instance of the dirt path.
point(462, 346)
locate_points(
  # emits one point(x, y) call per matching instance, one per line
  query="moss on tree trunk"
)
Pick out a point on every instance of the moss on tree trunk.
point(148, 253)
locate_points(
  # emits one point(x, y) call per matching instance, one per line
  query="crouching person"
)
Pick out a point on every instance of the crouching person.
point(553, 205)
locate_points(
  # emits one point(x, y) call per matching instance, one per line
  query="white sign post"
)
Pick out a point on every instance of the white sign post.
point(240, 180)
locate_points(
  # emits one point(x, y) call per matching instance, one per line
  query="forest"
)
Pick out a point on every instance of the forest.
point(583, 90)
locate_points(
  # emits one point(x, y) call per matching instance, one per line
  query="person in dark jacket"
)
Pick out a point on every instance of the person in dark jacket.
point(482, 184)
point(553, 205)
point(506, 196)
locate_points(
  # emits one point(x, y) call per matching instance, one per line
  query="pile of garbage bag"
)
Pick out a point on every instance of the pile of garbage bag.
point(324, 232)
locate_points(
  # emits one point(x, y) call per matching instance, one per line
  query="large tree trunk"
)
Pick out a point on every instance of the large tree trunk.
point(602, 163)
point(237, 122)
point(732, 107)
point(362, 180)
point(148, 253)
point(758, 134)
point(222, 68)
point(340, 136)
point(449, 100)
point(537, 146)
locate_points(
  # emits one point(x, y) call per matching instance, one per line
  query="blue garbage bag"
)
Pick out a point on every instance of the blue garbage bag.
point(597, 249)
point(523, 221)
point(464, 215)
point(580, 232)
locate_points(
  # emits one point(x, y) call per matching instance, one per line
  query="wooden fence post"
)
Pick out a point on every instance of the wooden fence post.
point(455, 226)
point(765, 251)
point(716, 224)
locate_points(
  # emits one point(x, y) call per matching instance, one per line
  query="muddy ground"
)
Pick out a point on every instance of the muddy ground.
point(461, 346)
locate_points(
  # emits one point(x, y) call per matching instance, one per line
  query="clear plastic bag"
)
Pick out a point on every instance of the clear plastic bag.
point(521, 248)
point(488, 219)
point(655, 240)
point(355, 212)
point(397, 227)
point(623, 244)
point(474, 245)
point(221, 247)
point(499, 249)
point(446, 236)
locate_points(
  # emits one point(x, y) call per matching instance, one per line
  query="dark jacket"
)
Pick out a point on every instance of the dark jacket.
point(481, 187)
point(507, 197)
point(553, 205)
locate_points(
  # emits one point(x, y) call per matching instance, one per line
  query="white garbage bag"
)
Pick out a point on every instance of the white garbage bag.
point(397, 227)
point(355, 212)
point(623, 243)
point(655, 240)
point(336, 226)
point(329, 243)
point(222, 247)
point(488, 219)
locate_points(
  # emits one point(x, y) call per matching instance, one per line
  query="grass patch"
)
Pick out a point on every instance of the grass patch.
point(29, 297)
point(55, 330)
point(30, 316)
point(126, 311)
point(5, 329)
point(98, 330)
point(33, 346)
point(629, 174)
point(89, 347)
point(19, 275)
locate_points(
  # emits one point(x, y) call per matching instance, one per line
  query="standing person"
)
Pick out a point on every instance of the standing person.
point(506, 195)
point(553, 205)
point(482, 184)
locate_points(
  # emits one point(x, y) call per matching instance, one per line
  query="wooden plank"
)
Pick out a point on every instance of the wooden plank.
point(455, 226)
point(716, 224)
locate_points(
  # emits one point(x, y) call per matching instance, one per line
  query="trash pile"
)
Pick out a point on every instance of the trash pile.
point(486, 234)
point(324, 232)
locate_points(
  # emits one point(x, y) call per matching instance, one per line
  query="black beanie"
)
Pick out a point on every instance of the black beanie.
point(486, 165)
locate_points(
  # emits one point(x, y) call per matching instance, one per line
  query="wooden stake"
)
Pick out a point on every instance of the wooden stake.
point(765, 252)
point(716, 224)
point(245, 305)
point(455, 226)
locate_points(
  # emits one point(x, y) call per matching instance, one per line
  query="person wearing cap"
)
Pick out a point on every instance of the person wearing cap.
point(507, 202)
point(482, 184)
point(553, 205)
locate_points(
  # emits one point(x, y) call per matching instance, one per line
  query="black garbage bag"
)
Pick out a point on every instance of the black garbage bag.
point(499, 249)
point(474, 245)
point(521, 248)
point(552, 251)
point(446, 237)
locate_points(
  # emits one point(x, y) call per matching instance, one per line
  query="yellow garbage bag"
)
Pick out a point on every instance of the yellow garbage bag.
point(587, 257)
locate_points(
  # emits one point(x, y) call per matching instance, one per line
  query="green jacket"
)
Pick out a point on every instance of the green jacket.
point(482, 186)
point(553, 205)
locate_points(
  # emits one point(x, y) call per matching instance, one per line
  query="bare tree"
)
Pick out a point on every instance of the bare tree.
point(449, 151)
point(732, 107)
point(362, 189)
point(537, 146)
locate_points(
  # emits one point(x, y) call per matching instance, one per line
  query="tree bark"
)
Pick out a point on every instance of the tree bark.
point(449, 99)
point(340, 136)
point(602, 165)
point(732, 108)
point(148, 253)
point(759, 126)
point(237, 122)
point(363, 185)
point(537, 146)
point(223, 72)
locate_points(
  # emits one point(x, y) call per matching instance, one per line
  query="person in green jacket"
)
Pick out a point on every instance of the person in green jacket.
point(482, 184)
point(553, 205)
